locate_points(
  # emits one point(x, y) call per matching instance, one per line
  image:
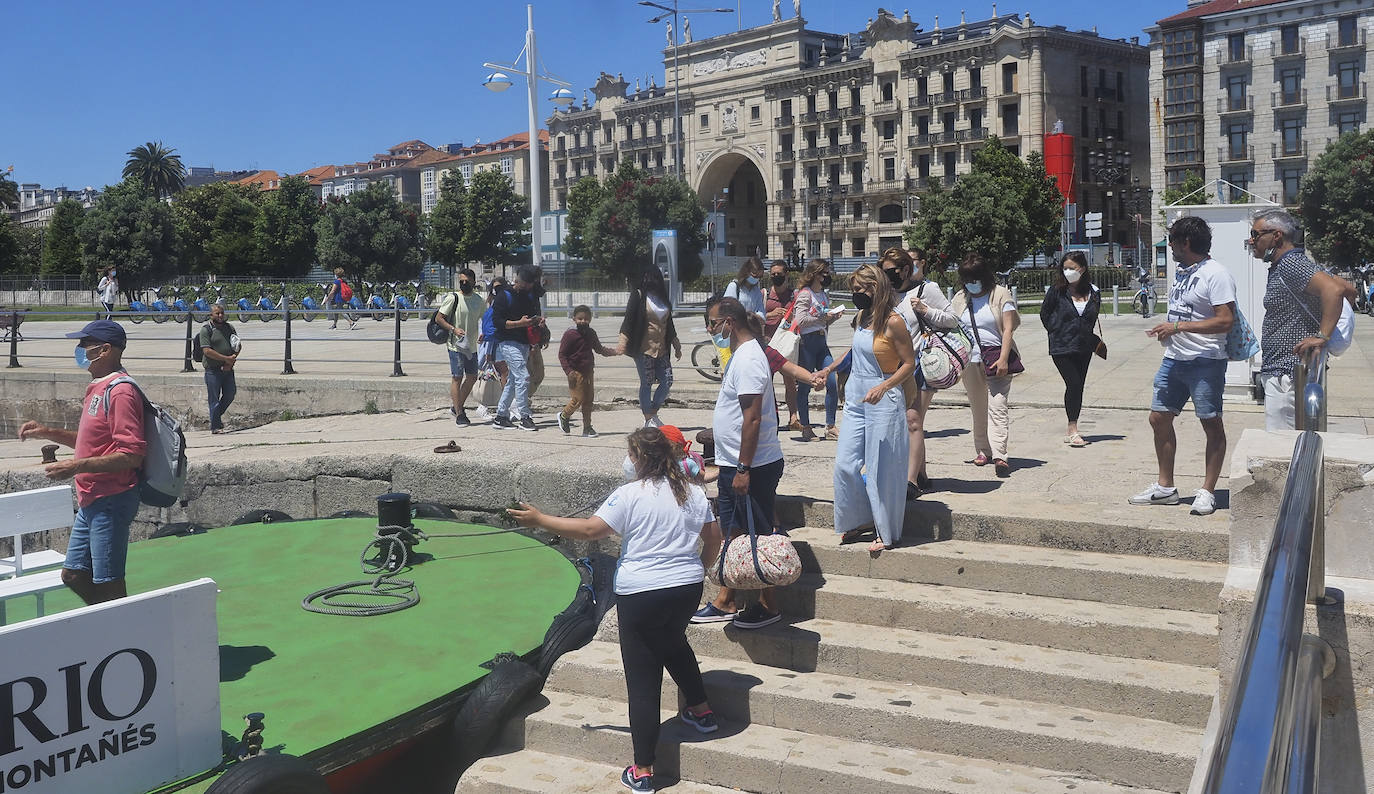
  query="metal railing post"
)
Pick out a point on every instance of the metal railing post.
point(596, 304)
point(396, 357)
point(186, 362)
point(1116, 300)
point(14, 341)
point(286, 368)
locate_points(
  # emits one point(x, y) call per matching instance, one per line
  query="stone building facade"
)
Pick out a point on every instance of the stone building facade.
point(827, 141)
point(1253, 91)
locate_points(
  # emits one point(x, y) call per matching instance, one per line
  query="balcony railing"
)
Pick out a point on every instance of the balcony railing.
point(921, 101)
point(853, 147)
point(974, 134)
point(581, 151)
point(890, 186)
point(1338, 42)
point(890, 106)
point(1226, 104)
point(1288, 99)
point(853, 111)
point(1346, 93)
point(1279, 50)
point(920, 139)
point(1290, 150)
point(605, 148)
point(786, 194)
point(784, 121)
point(973, 94)
point(1233, 57)
point(560, 181)
point(1236, 154)
point(811, 154)
point(785, 156)
point(809, 117)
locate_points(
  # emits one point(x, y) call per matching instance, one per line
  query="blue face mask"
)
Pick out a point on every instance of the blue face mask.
point(753, 281)
point(721, 340)
point(82, 360)
point(975, 288)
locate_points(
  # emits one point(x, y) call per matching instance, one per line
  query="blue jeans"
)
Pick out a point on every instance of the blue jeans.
point(813, 354)
point(516, 355)
point(653, 369)
point(1202, 379)
point(221, 388)
point(99, 543)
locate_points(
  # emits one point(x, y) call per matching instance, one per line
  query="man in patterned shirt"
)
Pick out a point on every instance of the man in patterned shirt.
point(1302, 303)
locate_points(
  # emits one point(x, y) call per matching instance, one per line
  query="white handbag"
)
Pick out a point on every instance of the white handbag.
point(785, 339)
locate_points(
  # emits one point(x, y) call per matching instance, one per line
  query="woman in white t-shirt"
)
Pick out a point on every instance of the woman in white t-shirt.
point(660, 517)
point(745, 288)
point(109, 290)
point(987, 312)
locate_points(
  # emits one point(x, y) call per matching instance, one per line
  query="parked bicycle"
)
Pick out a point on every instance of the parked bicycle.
point(309, 306)
point(1364, 289)
point(200, 307)
point(265, 309)
point(1146, 300)
point(706, 360)
point(162, 310)
point(376, 305)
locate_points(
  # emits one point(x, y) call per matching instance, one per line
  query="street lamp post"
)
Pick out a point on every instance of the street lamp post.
point(675, 13)
point(1138, 198)
point(1109, 166)
point(498, 81)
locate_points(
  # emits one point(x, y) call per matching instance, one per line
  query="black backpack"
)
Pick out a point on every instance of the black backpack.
point(197, 349)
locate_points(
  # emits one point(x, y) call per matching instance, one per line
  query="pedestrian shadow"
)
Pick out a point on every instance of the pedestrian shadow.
point(733, 714)
point(951, 485)
point(949, 432)
point(1025, 463)
point(780, 645)
point(1093, 439)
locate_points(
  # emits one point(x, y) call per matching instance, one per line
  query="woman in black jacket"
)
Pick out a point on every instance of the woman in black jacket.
point(646, 334)
point(1069, 314)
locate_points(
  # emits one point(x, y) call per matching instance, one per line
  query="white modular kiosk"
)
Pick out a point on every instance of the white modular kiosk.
point(1230, 246)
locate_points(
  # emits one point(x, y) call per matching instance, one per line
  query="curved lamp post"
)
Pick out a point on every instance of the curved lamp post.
point(675, 13)
point(499, 81)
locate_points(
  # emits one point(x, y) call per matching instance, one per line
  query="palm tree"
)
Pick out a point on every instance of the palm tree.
point(157, 168)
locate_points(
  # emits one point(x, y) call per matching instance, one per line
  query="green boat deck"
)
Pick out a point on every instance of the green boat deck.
point(321, 679)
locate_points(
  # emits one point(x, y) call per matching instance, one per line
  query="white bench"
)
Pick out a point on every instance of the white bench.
point(24, 513)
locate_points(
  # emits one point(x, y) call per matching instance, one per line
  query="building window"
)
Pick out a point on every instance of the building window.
point(1120, 87)
point(948, 82)
point(856, 246)
point(810, 103)
point(948, 121)
point(1288, 35)
point(787, 214)
point(1011, 119)
point(1292, 181)
point(858, 212)
point(507, 165)
point(890, 213)
point(1181, 143)
point(923, 125)
point(705, 120)
point(1292, 136)
point(951, 164)
point(889, 129)
point(833, 99)
point(787, 179)
point(813, 175)
point(810, 139)
point(889, 168)
point(922, 87)
point(466, 169)
point(1235, 47)
point(887, 92)
point(785, 141)
point(1240, 182)
point(1083, 80)
point(834, 174)
point(1348, 73)
point(1238, 139)
point(1180, 48)
point(975, 77)
point(754, 113)
point(856, 172)
point(1345, 32)
point(815, 210)
point(923, 166)
point(1009, 78)
point(427, 179)
point(853, 97)
point(856, 133)
point(1181, 93)
point(1235, 93)
point(833, 134)
point(1348, 122)
point(1290, 84)
point(786, 108)
point(975, 118)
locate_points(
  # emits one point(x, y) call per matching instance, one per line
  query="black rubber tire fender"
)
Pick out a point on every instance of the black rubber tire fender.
point(261, 517)
point(179, 529)
point(568, 632)
point(350, 514)
point(488, 707)
point(431, 510)
point(270, 774)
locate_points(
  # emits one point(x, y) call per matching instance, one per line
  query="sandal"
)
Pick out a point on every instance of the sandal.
point(1075, 440)
point(981, 460)
point(854, 535)
point(876, 546)
point(1003, 468)
point(449, 447)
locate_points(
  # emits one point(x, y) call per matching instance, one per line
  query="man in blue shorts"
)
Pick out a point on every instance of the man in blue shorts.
point(1202, 304)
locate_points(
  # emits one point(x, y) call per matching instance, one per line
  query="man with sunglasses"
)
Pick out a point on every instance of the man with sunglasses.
point(109, 445)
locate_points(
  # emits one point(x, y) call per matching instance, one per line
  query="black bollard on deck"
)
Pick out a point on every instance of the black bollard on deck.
point(186, 363)
point(396, 357)
point(14, 341)
point(286, 368)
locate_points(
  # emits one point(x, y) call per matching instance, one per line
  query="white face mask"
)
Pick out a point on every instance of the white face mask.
point(627, 467)
point(1071, 275)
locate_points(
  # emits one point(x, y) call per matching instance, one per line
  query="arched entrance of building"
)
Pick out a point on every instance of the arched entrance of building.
point(733, 185)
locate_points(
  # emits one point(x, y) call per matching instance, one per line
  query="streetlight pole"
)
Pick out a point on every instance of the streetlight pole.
point(562, 97)
point(1109, 166)
point(675, 13)
point(1139, 199)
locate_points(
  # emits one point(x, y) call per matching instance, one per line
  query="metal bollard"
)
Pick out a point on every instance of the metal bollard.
point(186, 362)
point(1013, 294)
point(1116, 301)
point(396, 357)
point(596, 304)
point(949, 292)
point(570, 306)
point(286, 368)
point(14, 341)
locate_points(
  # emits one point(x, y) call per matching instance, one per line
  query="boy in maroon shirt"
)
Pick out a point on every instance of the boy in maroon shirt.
point(575, 354)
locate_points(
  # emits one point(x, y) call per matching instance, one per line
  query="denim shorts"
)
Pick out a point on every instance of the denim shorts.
point(100, 536)
point(1202, 379)
point(460, 363)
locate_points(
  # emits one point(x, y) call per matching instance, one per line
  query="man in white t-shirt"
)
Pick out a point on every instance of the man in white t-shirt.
point(747, 451)
point(1202, 305)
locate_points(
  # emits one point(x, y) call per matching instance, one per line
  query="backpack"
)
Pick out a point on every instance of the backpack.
point(437, 333)
point(162, 478)
point(197, 349)
point(345, 291)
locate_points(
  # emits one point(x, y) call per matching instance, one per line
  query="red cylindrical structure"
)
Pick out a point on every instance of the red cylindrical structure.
point(1060, 163)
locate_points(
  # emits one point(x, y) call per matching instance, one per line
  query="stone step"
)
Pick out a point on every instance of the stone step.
point(1122, 529)
point(767, 759)
point(1153, 690)
point(1090, 576)
point(541, 773)
point(1120, 630)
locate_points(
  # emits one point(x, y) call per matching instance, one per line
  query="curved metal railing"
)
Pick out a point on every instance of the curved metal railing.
point(1269, 734)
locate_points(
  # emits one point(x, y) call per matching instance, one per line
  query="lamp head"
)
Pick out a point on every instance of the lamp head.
point(497, 81)
point(561, 97)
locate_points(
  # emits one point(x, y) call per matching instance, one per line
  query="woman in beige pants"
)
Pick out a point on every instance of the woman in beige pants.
point(987, 311)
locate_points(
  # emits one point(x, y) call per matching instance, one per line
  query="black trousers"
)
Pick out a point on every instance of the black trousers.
point(1073, 368)
point(653, 637)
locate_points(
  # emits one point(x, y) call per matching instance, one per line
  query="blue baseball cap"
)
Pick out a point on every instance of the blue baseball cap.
point(107, 331)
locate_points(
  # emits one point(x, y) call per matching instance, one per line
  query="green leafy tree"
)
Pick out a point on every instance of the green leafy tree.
point(133, 230)
point(1003, 210)
point(9, 245)
point(495, 219)
point(583, 199)
point(371, 234)
point(157, 168)
point(1190, 191)
point(215, 224)
point(1336, 202)
point(444, 239)
point(616, 235)
point(61, 245)
point(284, 231)
point(9, 193)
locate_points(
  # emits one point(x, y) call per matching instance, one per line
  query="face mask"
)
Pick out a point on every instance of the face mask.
point(895, 277)
point(753, 281)
point(825, 281)
point(627, 467)
point(1268, 255)
point(778, 279)
point(863, 301)
point(537, 290)
point(1072, 276)
point(722, 340)
point(112, 274)
point(465, 287)
point(974, 288)
point(82, 360)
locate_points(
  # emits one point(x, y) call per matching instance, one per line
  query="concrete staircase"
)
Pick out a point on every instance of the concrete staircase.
point(959, 665)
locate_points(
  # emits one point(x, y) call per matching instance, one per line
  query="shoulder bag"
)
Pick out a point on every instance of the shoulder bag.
point(1241, 343)
point(750, 562)
point(785, 339)
point(1100, 348)
point(941, 359)
point(993, 352)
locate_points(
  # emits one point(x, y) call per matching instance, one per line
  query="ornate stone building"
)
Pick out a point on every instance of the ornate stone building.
point(828, 140)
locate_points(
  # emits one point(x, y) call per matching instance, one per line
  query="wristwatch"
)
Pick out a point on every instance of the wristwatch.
point(1322, 336)
point(743, 468)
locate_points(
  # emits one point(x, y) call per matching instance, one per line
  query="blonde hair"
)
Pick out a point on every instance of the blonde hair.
point(814, 268)
point(875, 317)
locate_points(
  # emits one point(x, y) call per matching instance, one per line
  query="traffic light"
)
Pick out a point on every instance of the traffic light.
point(1092, 224)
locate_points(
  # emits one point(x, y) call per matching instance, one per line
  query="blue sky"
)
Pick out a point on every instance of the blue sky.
point(289, 84)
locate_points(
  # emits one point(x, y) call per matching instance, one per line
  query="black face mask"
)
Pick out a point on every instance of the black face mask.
point(537, 290)
point(863, 301)
point(825, 281)
point(895, 277)
point(778, 279)
point(465, 287)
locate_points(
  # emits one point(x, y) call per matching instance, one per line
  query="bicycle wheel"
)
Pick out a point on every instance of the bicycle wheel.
point(200, 317)
point(706, 360)
point(1138, 305)
point(245, 317)
point(160, 317)
point(136, 318)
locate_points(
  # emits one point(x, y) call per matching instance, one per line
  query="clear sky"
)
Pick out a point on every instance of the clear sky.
point(291, 84)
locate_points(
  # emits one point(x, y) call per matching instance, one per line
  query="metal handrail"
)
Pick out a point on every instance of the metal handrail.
point(1309, 392)
point(1269, 734)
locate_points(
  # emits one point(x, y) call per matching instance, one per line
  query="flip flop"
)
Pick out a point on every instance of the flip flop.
point(449, 447)
point(1076, 440)
point(854, 535)
point(876, 546)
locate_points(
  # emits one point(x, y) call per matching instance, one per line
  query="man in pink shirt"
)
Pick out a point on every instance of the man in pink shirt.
point(109, 446)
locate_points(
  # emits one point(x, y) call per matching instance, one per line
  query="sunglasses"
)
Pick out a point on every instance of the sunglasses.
point(1255, 235)
point(712, 325)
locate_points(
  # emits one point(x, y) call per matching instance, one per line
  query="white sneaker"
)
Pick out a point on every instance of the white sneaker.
point(653, 421)
point(481, 413)
point(1156, 494)
point(1204, 503)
